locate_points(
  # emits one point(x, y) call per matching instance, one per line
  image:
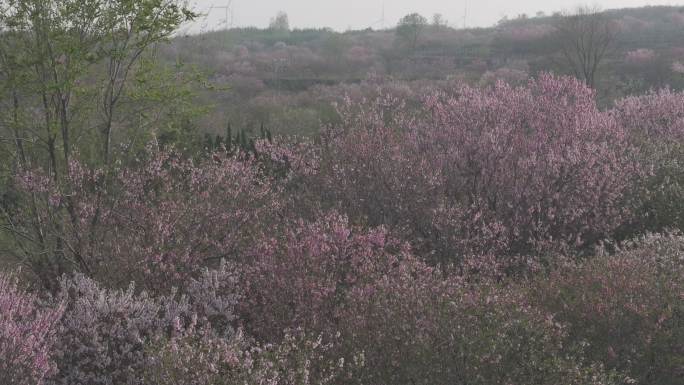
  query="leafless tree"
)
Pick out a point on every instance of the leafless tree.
point(585, 38)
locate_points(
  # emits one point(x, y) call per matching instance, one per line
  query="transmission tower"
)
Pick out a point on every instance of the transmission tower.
point(381, 21)
point(229, 20)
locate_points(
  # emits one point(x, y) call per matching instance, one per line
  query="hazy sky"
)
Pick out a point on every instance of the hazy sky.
point(357, 14)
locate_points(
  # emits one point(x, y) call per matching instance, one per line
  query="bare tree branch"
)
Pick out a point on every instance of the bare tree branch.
point(584, 38)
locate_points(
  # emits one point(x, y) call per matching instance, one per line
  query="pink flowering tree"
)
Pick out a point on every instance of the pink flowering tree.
point(158, 221)
point(27, 335)
point(303, 279)
point(656, 116)
point(542, 161)
point(497, 170)
point(103, 333)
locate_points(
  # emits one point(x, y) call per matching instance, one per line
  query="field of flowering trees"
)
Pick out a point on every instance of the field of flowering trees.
point(515, 231)
point(498, 235)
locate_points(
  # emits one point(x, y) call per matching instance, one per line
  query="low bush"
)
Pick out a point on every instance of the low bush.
point(297, 359)
point(421, 327)
point(627, 308)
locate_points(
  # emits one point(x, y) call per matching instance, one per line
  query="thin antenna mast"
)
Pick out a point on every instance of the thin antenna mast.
point(465, 15)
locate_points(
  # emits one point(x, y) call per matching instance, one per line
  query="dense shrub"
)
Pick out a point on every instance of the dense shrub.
point(417, 326)
point(104, 334)
point(157, 222)
point(655, 123)
point(512, 76)
point(27, 335)
point(212, 298)
point(627, 308)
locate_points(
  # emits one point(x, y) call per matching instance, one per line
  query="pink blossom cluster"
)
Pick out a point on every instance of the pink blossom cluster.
point(27, 335)
point(658, 115)
point(510, 170)
point(303, 280)
point(398, 319)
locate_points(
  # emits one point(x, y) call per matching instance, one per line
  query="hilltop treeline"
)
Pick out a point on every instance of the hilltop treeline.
point(287, 79)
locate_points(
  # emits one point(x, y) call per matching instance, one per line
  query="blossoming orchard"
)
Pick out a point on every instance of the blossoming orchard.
point(504, 232)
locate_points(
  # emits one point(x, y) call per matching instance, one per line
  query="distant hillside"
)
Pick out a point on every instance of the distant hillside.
point(288, 79)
